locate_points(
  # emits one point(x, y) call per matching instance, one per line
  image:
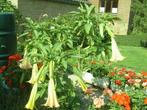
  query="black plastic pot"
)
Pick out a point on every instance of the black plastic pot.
point(8, 41)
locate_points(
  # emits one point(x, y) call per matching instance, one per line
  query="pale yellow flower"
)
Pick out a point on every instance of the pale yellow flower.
point(25, 64)
point(31, 102)
point(52, 97)
point(34, 74)
point(116, 55)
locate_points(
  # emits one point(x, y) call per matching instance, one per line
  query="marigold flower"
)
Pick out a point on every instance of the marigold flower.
point(131, 81)
point(122, 99)
point(118, 82)
point(144, 74)
point(145, 101)
point(112, 73)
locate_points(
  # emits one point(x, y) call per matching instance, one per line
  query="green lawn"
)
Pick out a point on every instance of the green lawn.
point(131, 40)
point(136, 58)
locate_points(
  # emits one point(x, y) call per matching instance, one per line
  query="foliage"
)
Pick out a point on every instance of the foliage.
point(139, 9)
point(63, 46)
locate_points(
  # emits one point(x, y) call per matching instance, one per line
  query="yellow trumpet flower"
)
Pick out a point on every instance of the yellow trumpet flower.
point(31, 102)
point(34, 74)
point(52, 97)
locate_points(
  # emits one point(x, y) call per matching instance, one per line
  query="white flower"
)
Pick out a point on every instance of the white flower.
point(116, 55)
point(144, 84)
point(88, 77)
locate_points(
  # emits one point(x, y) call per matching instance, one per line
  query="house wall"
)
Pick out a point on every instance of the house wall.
point(120, 27)
point(36, 8)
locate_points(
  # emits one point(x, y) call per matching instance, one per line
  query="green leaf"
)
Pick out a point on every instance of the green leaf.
point(101, 28)
point(87, 27)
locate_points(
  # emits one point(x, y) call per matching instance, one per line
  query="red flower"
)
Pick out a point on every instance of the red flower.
point(118, 82)
point(127, 77)
point(2, 69)
point(123, 69)
point(112, 73)
point(15, 57)
point(131, 73)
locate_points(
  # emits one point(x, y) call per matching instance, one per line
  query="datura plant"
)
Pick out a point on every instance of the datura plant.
point(63, 48)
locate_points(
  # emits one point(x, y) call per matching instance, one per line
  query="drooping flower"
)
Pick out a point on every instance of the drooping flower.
point(34, 74)
point(25, 64)
point(52, 100)
point(116, 55)
point(31, 102)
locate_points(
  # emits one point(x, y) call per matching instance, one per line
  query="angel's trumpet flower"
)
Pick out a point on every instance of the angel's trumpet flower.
point(52, 97)
point(25, 64)
point(116, 55)
point(34, 74)
point(31, 102)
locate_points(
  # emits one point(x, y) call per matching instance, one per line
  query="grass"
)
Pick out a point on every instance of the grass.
point(136, 58)
point(131, 40)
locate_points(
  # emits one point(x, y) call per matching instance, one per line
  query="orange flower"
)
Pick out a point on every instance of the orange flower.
point(145, 101)
point(144, 73)
point(122, 99)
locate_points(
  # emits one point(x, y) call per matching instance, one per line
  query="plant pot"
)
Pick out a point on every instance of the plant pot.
point(7, 21)
point(8, 41)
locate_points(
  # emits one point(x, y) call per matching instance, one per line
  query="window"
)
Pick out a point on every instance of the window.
point(109, 6)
